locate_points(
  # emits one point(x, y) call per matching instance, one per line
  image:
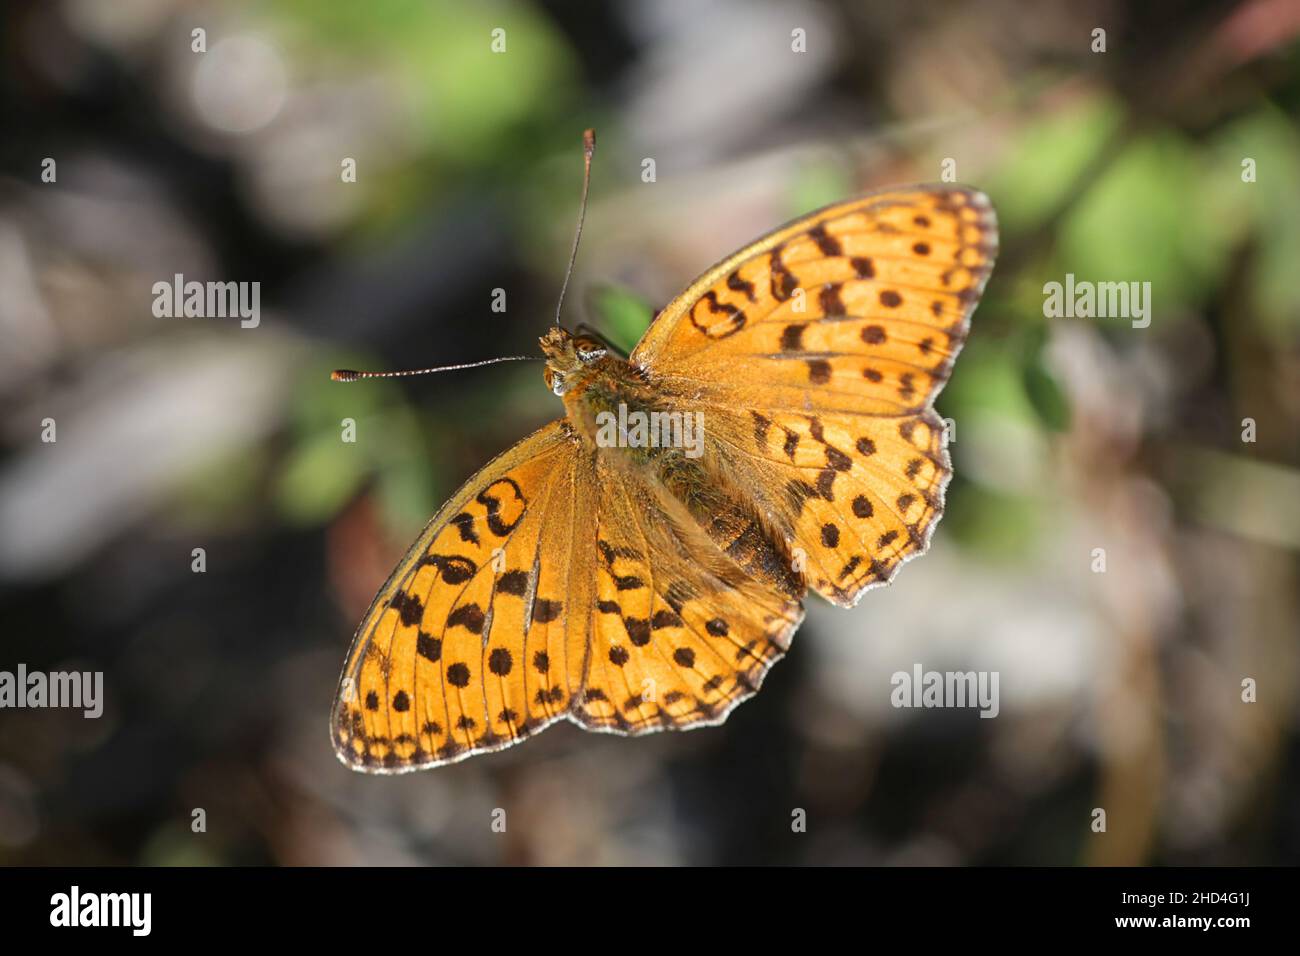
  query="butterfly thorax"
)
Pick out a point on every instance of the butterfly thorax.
point(609, 402)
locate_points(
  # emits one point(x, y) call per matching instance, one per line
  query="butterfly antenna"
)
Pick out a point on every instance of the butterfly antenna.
point(350, 375)
point(588, 150)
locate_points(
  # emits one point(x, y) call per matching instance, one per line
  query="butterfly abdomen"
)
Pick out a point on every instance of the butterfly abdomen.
point(730, 521)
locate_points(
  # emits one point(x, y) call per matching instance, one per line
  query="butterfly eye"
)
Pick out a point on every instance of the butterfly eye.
point(554, 381)
point(588, 350)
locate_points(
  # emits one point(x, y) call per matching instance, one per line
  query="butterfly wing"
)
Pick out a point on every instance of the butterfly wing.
point(680, 633)
point(439, 668)
point(816, 354)
point(554, 584)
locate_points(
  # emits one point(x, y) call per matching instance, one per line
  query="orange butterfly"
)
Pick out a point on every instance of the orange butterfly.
point(639, 564)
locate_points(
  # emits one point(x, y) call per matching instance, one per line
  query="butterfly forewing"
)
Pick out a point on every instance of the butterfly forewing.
point(440, 667)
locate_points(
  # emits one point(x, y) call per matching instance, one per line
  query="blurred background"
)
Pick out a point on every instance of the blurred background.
point(1120, 689)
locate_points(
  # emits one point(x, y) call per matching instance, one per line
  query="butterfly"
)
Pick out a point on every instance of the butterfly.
point(633, 578)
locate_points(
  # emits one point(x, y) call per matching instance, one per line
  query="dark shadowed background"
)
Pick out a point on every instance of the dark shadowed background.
point(1120, 689)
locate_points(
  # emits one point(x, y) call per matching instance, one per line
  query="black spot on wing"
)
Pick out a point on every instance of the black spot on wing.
point(464, 524)
point(468, 616)
point(792, 337)
point(408, 607)
point(826, 243)
point(737, 284)
point(513, 582)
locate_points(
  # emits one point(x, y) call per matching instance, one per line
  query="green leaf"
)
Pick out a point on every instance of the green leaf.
point(1049, 157)
point(1047, 397)
point(621, 315)
point(819, 183)
point(319, 478)
point(1001, 525)
point(1142, 222)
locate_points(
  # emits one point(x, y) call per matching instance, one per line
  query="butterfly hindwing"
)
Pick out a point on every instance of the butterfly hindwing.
point(680, 634)
point(858, 495)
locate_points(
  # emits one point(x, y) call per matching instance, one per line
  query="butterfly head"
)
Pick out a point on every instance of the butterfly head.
point(570, 358)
